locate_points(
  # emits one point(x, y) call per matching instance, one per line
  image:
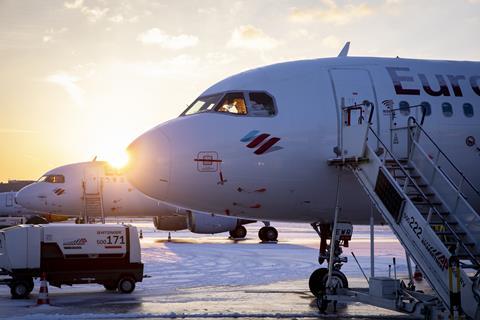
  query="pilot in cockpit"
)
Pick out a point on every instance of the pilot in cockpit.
point(234, 105)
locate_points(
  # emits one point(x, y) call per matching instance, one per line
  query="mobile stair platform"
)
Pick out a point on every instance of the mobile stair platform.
point(425, 200)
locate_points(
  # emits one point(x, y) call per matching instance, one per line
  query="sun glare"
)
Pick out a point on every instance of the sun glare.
point(118, 160)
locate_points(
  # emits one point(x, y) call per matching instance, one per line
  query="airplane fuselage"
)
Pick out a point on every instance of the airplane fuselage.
point(275, 167)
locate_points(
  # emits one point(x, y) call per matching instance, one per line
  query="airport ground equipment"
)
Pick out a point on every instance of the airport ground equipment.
point(70, 254)
point(423, 197)
point(6, 222)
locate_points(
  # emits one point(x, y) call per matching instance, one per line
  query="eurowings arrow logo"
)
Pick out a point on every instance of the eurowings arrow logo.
point(263, 142)
point(59, 191)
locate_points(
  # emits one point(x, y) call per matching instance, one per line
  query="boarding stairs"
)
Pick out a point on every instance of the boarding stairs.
point(425, 200)
point(93, 206)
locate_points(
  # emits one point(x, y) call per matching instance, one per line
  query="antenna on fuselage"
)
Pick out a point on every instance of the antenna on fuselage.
point(94, 159)
point(344, 52)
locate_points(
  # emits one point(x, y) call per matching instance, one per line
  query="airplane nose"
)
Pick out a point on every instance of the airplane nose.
point(149, 164)
point(25, 197)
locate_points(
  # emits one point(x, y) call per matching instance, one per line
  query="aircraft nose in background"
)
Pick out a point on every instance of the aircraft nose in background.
point(149, 164)
point(26, 198)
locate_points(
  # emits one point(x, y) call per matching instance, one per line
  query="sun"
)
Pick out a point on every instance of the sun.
point(117, 159)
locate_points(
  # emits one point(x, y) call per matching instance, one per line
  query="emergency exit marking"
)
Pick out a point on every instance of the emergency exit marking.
point(207, 161)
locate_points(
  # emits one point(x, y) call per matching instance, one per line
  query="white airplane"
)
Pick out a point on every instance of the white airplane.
point(90, 188)
point(256, 145)
point(10, 208)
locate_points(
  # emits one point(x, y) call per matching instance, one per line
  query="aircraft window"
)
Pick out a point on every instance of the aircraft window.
point(404, 108)
point(426, 108)
point(447, 109)
point(233, 103)
point(52, 178)
point(203, 104)
point(468, 110)
point(261, 104)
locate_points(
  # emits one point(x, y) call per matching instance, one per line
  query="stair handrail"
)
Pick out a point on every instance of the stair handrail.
point(464, 178)
point(425, 198)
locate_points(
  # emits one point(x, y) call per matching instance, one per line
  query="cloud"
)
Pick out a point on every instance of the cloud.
point(51, 34)
point(331, 42)
point(250, 37)
point(68, 83)
point(93, 14)
point(73, 4)
point(331, 12)
point(180, 66)
point(159, 37)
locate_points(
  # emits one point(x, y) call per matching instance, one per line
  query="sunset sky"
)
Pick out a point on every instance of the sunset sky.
point(80, 79)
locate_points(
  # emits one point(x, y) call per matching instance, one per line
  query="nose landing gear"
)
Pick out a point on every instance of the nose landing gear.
point(320, 282)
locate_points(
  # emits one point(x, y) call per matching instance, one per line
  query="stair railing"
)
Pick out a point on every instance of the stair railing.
point(440, 181)
point(432, 207)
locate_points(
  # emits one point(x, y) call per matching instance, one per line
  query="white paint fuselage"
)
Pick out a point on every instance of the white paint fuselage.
point(293, 181)
point(118, 196)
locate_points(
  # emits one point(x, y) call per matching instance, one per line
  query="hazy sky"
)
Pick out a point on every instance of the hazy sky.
point(84, 78)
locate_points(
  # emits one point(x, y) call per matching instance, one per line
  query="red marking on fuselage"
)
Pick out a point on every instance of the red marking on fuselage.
point(256, 206)
point(258, 140)
point(267, 145)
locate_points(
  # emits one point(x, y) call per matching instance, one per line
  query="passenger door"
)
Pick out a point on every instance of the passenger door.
point(353, 86)
point(91, 179)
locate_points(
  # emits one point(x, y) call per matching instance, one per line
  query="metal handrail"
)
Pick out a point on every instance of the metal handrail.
point(425, 198)
point(446, 157)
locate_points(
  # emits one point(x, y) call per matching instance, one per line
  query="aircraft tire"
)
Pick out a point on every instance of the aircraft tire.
point(239, 232)
point(318, 281)
point(268, 234)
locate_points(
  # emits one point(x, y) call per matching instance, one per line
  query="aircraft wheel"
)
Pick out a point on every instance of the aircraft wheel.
point(268, 234)
point(318, 281)
point(238, 233)
point(126, 285)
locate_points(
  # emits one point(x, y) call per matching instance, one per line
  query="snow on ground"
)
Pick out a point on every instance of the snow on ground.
point(198, 276)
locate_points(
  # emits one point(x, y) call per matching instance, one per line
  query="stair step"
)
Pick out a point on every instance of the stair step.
point(449, 233)
point(395, 168)
point(401, 160)
point(428, 194)
point(450, 223)
point(424, 203)
point(413, 176)
point(454, 243)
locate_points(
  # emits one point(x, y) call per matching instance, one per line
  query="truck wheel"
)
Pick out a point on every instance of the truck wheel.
point(126, 285)
point(20, 289)
point(110, 286)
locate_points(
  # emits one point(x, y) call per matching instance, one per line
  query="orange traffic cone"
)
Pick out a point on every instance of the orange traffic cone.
point(417, 275)
point(43, 293)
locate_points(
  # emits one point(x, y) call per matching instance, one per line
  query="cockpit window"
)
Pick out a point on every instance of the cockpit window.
point(261, 104)
point(52, 178)
point(233, 103)
point(247, 103)
point(203, 104)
